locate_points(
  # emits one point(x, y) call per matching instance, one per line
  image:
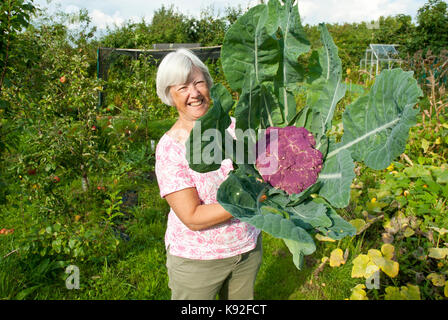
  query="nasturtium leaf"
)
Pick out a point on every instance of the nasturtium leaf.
point(390, 267)
point(388, 250)
point(371, 269)
point(358, 224)
point(408, 232)
point(437, 280)
point(417, 171)
point(320, 237)
point(375, 206)
point(360, 265)
point(440, 231)
point(358, 293)
point(440, 173)
point(410, 292)
point(445, 290)
point(438, 253)
point(392, 293)
point(386, 265)
point(337, 257)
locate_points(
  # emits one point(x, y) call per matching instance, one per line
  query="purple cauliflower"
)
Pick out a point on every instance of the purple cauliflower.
point(297, 163)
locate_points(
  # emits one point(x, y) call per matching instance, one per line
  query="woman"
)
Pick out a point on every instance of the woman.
point(208, 251)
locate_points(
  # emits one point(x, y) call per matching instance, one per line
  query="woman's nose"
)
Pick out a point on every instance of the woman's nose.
point(194, 92)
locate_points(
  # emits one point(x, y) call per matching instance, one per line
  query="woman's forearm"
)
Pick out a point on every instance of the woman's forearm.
point(207, 215)
point(196, 216)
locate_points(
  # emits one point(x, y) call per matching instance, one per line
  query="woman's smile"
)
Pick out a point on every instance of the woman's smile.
point(196, 104)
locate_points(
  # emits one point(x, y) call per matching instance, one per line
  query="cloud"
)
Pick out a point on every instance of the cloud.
point(116, 12)
point(340, 11)
point(102, 20)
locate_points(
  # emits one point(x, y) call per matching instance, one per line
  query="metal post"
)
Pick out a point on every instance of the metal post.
point(100, 95)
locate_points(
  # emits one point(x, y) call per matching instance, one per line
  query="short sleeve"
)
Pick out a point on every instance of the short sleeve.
point(171, 167)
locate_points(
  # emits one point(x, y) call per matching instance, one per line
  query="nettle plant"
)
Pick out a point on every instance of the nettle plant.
point(314, 173)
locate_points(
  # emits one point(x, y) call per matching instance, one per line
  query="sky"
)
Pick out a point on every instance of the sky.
point(116, 12)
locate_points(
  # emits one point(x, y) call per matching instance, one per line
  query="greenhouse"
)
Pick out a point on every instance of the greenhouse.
point(378, 57)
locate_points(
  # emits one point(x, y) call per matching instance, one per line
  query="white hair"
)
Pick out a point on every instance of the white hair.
point(175, 69)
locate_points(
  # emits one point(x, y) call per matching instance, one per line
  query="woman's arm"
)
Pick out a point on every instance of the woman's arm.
point(196, 216)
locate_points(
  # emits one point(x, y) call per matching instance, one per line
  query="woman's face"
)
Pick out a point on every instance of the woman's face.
point(192, 98)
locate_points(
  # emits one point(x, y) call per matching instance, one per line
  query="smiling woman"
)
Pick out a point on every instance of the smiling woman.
point(208, 251)
point(183, 81)
point(191, 98)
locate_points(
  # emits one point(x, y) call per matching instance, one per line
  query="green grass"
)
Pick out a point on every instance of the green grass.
point(138, 270)
point(279, 279)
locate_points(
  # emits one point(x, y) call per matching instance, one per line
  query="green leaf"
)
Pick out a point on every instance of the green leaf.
point(340, 228)
point(239, 194)
point(438, 253)
point(311, 213)
point(297, 198)
point(284, 23)
point(337, 175)
point(22, 295)
point(441, 174)
point(376, 126)
point(417, 171)
point(271, 221)
point(324, 94)
point(249, 49)
point(256, 109)
point(260, 60)
point(297, 254)
point(209, 142)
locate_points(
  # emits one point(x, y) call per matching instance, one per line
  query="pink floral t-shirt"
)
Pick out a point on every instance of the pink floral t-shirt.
point(221, 241)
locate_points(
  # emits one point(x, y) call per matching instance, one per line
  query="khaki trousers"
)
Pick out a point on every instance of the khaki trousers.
point(231, 278)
